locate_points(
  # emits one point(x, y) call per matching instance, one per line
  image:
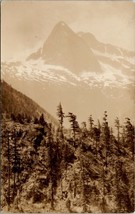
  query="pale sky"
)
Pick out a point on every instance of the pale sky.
point(27, 24)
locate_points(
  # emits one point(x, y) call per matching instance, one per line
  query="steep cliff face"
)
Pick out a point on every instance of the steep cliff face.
point(65, 48)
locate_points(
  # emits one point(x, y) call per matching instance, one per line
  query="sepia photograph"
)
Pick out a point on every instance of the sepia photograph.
point(67, 106)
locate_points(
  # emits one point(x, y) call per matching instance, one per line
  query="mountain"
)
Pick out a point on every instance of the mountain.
point(62, 71)
point(14, 102)
point(116, 57)
point(93, 43)
point(65, 48)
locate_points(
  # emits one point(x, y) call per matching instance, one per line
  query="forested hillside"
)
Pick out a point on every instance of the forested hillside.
point(83, 169)
point(19, 105)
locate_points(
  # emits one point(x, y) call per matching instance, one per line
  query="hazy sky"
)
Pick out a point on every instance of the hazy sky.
point(26, 24)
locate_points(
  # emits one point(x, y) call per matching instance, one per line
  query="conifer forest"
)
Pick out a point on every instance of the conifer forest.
point(85, 168)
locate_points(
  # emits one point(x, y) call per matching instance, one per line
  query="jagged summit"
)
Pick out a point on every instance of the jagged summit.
point(77, 52)
point(61, 24)
point(61, 27)
point(65, 48)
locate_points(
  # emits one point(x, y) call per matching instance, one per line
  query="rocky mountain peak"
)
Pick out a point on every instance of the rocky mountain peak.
point(65, 48)
point(61, 25)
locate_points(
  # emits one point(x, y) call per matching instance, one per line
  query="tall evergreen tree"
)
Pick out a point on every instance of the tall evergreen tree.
point(9, 171)
point(36, 121)
point(42, 120)
point(106, 140)
point(129, 135)
point(16, 162)
point(118, 126)
point(91, 122)
point(74, 124)
point(106, 135)
point(60, 115)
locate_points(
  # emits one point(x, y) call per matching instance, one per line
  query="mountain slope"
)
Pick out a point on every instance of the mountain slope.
point(93, 43)
point(107, 54)
point(15, 102)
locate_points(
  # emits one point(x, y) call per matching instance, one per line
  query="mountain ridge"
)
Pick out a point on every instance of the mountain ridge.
point(103, 46)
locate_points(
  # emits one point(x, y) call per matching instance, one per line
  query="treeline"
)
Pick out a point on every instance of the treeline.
point(125, 132)
point(23, 118)
point(82, 166)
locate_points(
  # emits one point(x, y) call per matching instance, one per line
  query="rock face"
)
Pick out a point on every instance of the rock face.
point(65, 48)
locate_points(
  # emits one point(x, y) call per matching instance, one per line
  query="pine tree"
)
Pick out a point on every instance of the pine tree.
point(118, 126)
point(122, 196)
point(60, 115)
point(42, 120)
point(82, 175)
point(99, 125)
point(36, 121)
point(16, 162)
point(96, 137)
point(52, 164)
point(91, 122)
point(74, 124)
point(129, 135)
point(106, 139)
point(9, 171)
point(84, 129)
point(106, 136)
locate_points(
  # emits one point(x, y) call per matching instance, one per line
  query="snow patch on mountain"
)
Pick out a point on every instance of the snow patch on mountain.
point(39, 71)
point(110, 77)
point(114, 57)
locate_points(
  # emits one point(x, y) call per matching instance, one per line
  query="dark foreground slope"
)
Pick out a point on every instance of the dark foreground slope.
point(90, 171)
point(14, 102)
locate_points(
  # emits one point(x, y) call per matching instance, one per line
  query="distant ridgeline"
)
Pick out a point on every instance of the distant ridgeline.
point(15, 103)
point(45, 168)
